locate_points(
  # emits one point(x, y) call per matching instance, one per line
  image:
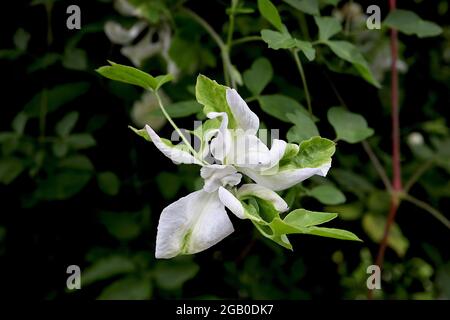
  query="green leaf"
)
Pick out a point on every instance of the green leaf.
point(21, 39)
point(180, 109)
point(374, 226)
point(121, 225)
point(141, 132)
point(332, 233)
point(315, 152)
point(109, 183)
point(327, 194)
point(44, 62)
point(352, 182)
point(306, 6)
point(410, 23)
point(348, 211)
point(129, 288)
point(279, 106)
point(304, 128)
point(62, 186)
point(270, 12)
point(283, 40)
point(348, 52)
point(302, 218)
point(278, 40)
point(10, 169)
point(66, 124)
point(133, 76)
point(350, 127)
point(328, 27)
point(106, 268)
point(80, 141)
point(258, 76)
point(213, 97)
point(168, 184)
point(75, 59)
point(19, 123)
point(172, 275)
point(55, 97)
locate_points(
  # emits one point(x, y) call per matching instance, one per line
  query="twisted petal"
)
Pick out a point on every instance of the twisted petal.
point(233, 204)
point(221, 144)
point(192, 224)
point(175, 153)
point(261, 192)
point(285, 178)
point(245, 118)
point(120, 35)
point(217, 175)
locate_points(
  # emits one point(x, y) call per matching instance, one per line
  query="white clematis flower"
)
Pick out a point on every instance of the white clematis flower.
point(199, 220)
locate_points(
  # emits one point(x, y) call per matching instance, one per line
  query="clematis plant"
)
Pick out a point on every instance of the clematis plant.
point(230, 149)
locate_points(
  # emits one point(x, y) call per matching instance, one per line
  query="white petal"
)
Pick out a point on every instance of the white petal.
point(263, 193)
point(126, 9)
point(285, 178)
point(217, 175)
point(120, 35)
point(233, 204)
point(177, 155)
point(245, 118)
point(221, 144)
point(192, 224)
point(250, 152)
point(142, 50)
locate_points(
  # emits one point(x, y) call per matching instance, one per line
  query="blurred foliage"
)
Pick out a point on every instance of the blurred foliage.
point(74, 190)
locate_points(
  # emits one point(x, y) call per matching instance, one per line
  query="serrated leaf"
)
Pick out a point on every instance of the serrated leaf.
point(350, 127)
point(258, 76)
point(410, 23)
point(270, 12)
point(327, 194)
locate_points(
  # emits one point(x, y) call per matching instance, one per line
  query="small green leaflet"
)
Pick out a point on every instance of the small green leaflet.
point(350, 127)
point(328, 27)
point(283, 40)
point(306, 6)
point(133, 76)
point(258, 76)
point(270, 13)
point(410, 23)
point(327, 194)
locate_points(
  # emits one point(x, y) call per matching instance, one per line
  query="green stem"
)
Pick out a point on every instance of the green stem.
point(224, 49)
point(302, 75)
point(417, 174)
point(246, 39)
point(425, 206)
point(163, 109)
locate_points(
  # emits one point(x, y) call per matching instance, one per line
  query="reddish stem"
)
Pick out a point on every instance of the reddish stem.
point(396, 166)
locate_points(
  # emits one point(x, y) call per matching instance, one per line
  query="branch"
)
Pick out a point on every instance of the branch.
point(425, 206)
point(377, 165)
